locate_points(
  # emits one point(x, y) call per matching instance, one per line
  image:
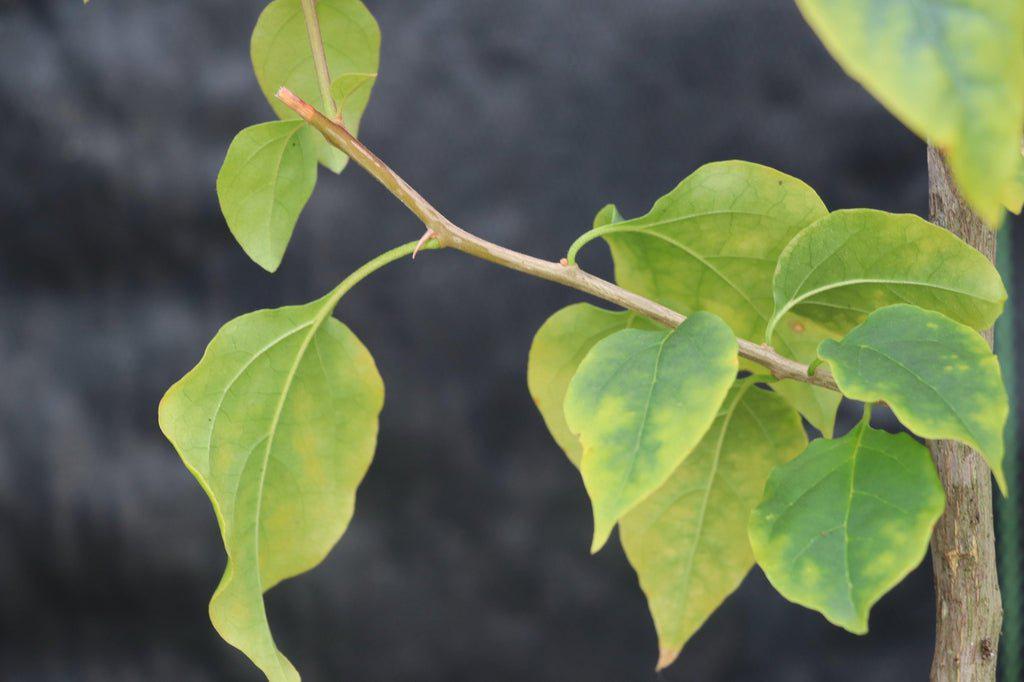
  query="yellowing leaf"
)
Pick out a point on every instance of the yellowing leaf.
point(688, 540)
point(557, 351)
point(712, 244)
point(843, 523)
point(278, 423)
point(639, 402)
point(850, 263)
point(939, 377)
point(281, 56)
point(266, 179)
point(951, 70)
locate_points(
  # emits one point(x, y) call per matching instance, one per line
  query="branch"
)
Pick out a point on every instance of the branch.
point(316, 45)
point(969, 614)
point(450, 235)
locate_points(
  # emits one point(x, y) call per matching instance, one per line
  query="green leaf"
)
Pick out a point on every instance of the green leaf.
point(352, 93)
point(940, 378)
point(557, 351)
point(712, 244)
point(951, 70)
point(843, 523)
point(281, 56)
point(266, 179)
point(278, 423)
point(853, 262)
point(639, 403)
point(607, 215)
point(688, 540)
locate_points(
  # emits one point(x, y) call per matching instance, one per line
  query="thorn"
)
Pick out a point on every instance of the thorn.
point(427, 236)
point(564, 262)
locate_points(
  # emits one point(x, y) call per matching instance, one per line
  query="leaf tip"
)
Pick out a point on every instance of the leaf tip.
point(1001, 480)
point(858, 627)
point(270, 265)
point(263, 257)
point(666, 658)
point(607, 216)
point(601, 534)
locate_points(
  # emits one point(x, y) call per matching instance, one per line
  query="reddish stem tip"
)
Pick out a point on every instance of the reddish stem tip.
point(296, 103)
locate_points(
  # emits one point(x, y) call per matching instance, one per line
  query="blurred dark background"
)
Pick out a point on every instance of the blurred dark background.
point(468, 555)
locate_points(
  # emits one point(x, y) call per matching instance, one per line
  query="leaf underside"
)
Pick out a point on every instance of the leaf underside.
point(688, 540)
point(844, 522)
point(639, 402)
point(278, 423)
point(940, 378)
point(266, 179)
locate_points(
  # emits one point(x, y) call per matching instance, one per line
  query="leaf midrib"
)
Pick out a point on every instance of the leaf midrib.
point(314, 328)
point(711, 484)
point(792, 303)
point(643, 420)
point(256, 356)
point(863, 427)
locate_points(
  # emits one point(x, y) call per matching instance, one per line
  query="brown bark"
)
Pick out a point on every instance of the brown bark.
point(968, 607)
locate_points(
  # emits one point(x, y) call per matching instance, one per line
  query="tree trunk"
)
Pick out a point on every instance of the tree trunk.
point(968, 608)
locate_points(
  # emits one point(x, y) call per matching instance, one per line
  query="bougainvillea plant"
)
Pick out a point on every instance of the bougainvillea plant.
point(742, 307)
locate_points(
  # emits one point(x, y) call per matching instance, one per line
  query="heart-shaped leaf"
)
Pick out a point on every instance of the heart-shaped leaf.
point(951, 70)
point(267, 177)
point(713, 241)
point(712, 244)
point(639, 402)
point(278, 423)
point(940, 378)
point(843, 523)
point(688, 540)
point(852, 262)
point(281, 57)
